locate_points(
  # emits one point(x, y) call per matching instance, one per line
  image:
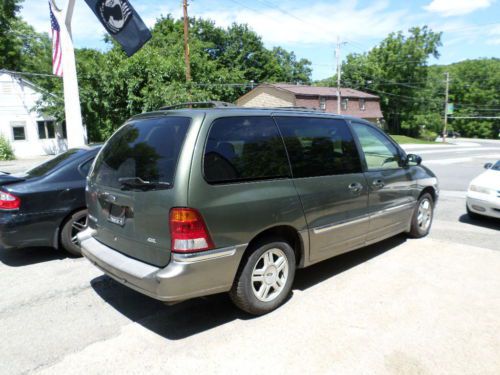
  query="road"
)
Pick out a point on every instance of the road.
point(455, 167)
point(402, 306)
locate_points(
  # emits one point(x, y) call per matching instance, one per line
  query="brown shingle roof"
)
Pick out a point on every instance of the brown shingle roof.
point(321, 91)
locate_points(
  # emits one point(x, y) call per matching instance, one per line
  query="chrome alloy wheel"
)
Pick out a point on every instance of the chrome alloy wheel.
point(78, 226)
point(269, 275)
point(424, 215)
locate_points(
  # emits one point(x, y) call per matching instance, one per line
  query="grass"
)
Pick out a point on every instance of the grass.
point(405, 139)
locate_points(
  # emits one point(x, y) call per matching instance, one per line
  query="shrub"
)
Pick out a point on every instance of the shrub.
point(6, 152)
point(428, 135)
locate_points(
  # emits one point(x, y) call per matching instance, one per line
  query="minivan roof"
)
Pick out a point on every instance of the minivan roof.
point(246, 110)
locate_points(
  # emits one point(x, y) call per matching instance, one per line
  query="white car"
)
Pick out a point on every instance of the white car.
point(483, 196)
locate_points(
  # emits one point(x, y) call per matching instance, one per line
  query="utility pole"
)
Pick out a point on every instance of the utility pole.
point(186, 40)
point(337, 54)
point(446, 105)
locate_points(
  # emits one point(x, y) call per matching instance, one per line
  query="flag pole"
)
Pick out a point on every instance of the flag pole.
point(72, 109)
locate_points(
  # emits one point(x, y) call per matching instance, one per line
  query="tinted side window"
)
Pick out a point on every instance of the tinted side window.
point(243, 149)
point(379, 152)
point(319, 146)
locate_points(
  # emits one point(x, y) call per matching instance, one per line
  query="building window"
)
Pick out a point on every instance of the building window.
point(19, 130)
point(344, 104)
point(64, 130)
point(322, 102)
point(46, 129)
point(362, 104)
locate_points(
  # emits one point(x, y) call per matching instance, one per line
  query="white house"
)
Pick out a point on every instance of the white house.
point(30, 133)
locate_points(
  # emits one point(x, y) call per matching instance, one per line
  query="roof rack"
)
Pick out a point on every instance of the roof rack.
point(207, 104)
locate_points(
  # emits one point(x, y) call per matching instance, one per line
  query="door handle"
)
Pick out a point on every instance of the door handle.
point(355, 187)
point(379, 184)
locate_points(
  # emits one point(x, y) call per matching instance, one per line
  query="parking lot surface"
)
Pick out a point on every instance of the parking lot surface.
point(402, 306)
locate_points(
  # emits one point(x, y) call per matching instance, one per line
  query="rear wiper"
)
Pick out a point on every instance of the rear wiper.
point(139, 183)
point(4, 172)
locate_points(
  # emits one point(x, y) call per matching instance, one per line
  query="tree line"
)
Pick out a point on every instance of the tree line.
point(412, 93)
point(228, 62)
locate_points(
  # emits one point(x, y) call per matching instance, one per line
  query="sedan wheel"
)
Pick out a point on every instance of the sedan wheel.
point(74, 225)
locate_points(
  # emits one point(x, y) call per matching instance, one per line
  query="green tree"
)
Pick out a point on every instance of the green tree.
point(114, 87)
point(10, 51)
point(396, 70)
point(475, 93)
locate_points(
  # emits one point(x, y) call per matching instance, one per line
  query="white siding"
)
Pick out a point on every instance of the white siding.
point(17, 103)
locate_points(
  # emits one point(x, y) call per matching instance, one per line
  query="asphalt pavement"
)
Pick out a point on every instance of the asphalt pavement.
point(427, 306)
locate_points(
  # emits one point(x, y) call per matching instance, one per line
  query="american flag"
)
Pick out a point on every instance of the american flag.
point(56, 45)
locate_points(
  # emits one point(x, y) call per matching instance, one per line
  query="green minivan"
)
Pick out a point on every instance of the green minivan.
point(191, 202)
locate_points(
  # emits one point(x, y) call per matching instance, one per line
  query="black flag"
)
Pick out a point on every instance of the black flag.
point(122, 22)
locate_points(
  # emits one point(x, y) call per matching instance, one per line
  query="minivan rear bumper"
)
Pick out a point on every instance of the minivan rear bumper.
point(186, 276)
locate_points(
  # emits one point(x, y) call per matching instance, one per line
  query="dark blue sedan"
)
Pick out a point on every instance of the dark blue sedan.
point(45, 206)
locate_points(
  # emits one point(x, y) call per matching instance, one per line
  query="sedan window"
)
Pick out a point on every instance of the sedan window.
point(85, 167)
point(53, 163)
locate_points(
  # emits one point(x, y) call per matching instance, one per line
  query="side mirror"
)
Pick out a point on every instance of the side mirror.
point(412, 159)
point(488, 165)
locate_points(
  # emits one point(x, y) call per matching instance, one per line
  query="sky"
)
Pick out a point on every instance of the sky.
point(471, 28)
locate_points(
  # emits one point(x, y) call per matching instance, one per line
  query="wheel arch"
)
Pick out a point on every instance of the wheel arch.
point(431, 191)
point(57, 232)
point(285, 232)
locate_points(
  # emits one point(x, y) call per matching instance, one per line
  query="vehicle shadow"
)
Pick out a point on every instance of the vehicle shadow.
point(485, 222)
point(30, 255)
point(184, 319)
point(308, 277)
point(173, 322)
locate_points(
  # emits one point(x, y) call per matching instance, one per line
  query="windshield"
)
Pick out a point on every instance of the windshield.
point(54, 163)
point(496, 166)
point(142, 153)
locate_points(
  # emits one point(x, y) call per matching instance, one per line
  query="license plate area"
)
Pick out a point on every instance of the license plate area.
point(117, 215)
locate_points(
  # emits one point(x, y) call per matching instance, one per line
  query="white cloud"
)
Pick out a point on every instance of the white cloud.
point(449, 8)
point(317, 23)
point(87, 31)
point(494, 35)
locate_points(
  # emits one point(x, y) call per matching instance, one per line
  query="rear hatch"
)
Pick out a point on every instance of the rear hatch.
point(130, 188)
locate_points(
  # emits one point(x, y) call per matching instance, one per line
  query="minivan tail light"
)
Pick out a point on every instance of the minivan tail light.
point(9, 201)
point(188, 231)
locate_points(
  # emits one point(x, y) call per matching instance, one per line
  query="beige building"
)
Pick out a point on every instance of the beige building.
point(353, 102)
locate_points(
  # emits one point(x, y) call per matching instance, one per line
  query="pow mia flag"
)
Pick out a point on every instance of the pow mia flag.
point(122, 22)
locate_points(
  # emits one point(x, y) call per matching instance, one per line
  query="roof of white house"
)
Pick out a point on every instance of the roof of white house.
point(20, 79)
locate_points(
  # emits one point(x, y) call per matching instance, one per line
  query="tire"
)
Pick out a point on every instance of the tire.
point(71, 227)
point(260, 297)
point(421, 220)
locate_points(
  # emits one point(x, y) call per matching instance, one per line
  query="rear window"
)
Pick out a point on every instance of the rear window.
point(244, 149)
point(146, 150)
point(55, 163)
